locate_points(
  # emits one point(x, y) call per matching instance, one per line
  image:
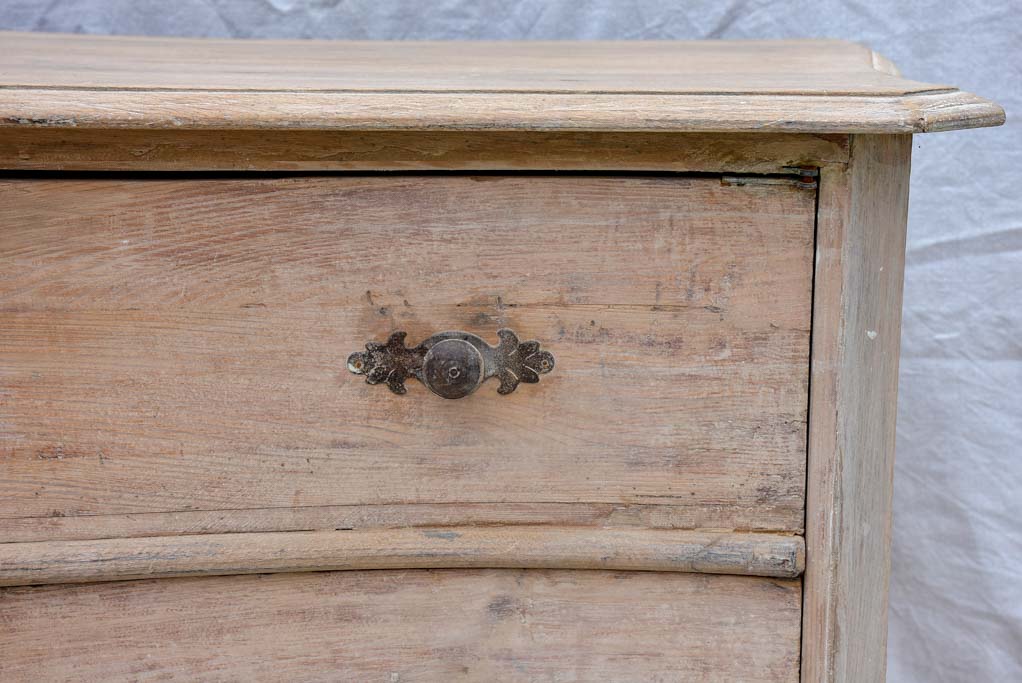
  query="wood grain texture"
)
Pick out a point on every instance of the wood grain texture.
point(342, 517)
point(419, 625)
point(524, 547)
point(224, 110)
point(176, 345)
point(857, 326)
point(719, 66)
point(795, 86)
point(63, 149)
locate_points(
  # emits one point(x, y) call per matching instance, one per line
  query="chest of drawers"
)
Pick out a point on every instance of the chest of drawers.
point(432, 362)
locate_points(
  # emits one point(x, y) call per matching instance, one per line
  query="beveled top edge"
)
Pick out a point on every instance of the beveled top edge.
point(814, 86)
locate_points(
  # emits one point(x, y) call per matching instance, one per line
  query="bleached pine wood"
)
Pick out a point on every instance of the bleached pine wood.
point(792, 86)
point(408, 625)
point(171, 355)
point(345, 517)
point(732, 112)
point(179, 345)
point(765, 67)
point(857, 326)
point(65, 149)
point(524, 547)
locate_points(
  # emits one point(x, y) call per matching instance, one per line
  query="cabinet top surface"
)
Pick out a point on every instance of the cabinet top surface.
point(707, 86)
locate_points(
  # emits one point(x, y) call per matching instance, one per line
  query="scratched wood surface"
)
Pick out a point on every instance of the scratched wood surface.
point(177, 346)
point(417, 625)
point(52, 80)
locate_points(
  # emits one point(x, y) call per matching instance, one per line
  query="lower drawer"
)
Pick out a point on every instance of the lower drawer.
point(409, 625)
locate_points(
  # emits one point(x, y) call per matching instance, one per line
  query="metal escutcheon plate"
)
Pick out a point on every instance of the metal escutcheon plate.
point(452, 364)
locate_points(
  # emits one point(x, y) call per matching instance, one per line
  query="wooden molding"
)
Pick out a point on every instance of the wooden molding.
point(797, 86)
point(946, 109)
point(70, 149)
point(527, 547)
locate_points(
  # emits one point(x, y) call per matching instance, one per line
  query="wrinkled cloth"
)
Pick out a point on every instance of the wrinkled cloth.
point(956, 587)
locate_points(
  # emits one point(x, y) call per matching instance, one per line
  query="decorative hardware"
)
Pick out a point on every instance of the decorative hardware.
point(452, 364)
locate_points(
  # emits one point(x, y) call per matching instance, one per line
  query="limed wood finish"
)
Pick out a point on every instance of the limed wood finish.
point(530, 547)
point(791, 86)
point(819, 67)
point(857, 327)
point(412, 625)
point(63, 149)
point(172, 349)
point(178, 345)
point(343, 517)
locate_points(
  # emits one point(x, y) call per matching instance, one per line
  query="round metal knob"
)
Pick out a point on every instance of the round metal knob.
point(452, 368)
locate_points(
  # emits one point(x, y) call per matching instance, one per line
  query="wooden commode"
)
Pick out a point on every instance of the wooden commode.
point(450, 361)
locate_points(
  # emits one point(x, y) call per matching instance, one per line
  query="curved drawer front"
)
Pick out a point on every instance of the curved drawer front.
point(175, 352)
point(417, 625)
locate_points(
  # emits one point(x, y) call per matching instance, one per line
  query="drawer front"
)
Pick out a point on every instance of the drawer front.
point(173, 352)
point(385, 626)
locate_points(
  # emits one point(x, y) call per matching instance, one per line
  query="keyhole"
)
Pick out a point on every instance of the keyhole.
point(454, 373)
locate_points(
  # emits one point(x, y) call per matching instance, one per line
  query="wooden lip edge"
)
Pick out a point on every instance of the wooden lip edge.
point(525, 547)
point(708, 113)
point(92, 149)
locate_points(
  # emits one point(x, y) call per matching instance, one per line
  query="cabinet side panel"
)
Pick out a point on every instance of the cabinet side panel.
point(853, 401)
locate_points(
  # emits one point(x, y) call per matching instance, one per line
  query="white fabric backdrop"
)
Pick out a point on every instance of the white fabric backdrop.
point(956, 590)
